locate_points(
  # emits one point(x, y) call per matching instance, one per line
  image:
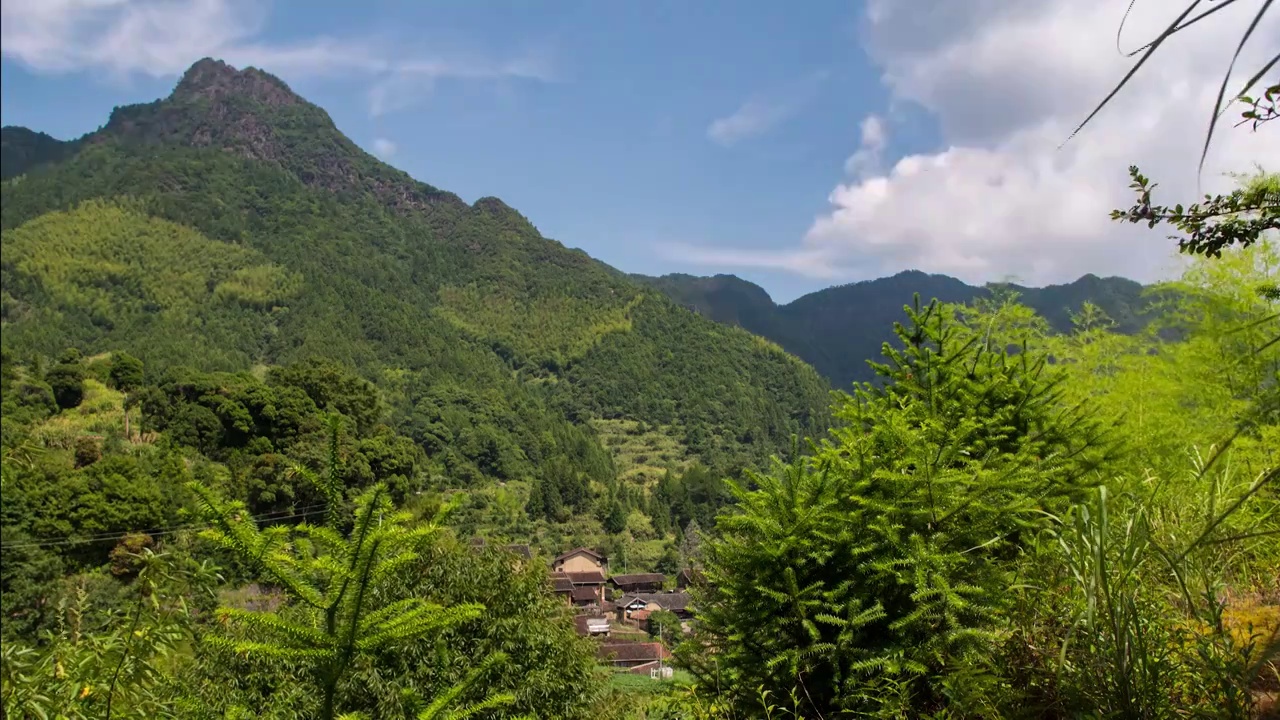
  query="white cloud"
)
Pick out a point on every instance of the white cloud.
point(866, 161)
point(762, 112)
point(383, 147)
point(809, 262)
point(403, 84)
point(1007, 82)
point(161, 38)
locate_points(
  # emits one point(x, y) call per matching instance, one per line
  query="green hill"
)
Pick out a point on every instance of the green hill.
point(22, 150)
point(838, 329)
point(232, 225)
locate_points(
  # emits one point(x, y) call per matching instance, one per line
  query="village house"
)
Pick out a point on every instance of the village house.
point(579, 589)
point(580, 560)
point(588, 588)
point(637, 607)
point(562, 586)
point(638, 582)
point(579, 576)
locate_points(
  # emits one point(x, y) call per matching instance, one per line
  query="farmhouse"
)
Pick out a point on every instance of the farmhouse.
point(580, 560)
point(630, 605)
point(638, 582)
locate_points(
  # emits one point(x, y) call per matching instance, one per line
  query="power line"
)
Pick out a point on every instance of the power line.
point(103, 537)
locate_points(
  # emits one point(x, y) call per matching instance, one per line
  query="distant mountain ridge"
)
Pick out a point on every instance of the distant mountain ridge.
point(22, 150)
point(838, 329)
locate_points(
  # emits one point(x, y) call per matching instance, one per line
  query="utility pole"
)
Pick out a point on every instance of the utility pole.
point(662, 646)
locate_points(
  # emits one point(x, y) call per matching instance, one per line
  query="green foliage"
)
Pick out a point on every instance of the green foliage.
point(66, 380)
point(1123, 663)
point(108, 276)
point(549, 670)
point(126, 372)
point(118, 662)
point(872, 573)
point(758, 397)
point(1237, 218)
point(939, 554)
point(546, 332)
point(665, 625)
point(336, 578)
point(115, 495)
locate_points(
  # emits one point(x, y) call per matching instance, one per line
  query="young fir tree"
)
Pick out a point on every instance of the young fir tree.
point(335, 574)
point(865, 577)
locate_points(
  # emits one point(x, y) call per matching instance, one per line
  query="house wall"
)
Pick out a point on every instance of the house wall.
point(579, 563)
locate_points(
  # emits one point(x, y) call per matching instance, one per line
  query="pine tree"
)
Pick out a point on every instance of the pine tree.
point(691, 545)
point(865, 577)
point(335, 573)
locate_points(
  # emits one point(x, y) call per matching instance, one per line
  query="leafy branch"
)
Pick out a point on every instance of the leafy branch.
point(1238, 218)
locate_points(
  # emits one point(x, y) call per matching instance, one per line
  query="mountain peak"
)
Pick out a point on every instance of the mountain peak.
point(211, 79)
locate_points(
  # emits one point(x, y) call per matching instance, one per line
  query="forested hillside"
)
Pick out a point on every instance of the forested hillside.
point(837, 330)
point(231, 228)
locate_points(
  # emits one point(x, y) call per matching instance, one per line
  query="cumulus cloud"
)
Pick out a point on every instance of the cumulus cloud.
point(383, 147)
point(866, 161)
point(1006, 83)
point(161, 38)
point(762, 112)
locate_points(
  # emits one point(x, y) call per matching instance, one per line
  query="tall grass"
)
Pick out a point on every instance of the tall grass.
point(1151, 574)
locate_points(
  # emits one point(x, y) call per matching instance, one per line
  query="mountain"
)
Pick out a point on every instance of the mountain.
point(838, 329)
point(22, 150)
point(231, 227)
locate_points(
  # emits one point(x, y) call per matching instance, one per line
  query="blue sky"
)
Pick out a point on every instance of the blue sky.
point(798, 146)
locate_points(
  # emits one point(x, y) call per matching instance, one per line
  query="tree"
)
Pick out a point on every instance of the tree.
point(615, 520)
point(691, 545)
point(337, 580)
point(67, 380)
point(1239, 217)
point(665, 625)
point(126, 372)
point(867, 576)
point(549, 669)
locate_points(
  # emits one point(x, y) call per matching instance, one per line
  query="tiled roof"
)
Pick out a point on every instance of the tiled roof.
point(576, 551)
point(590, 577)
point(585, 593)
point(561, 582)
point(638, 579)
point(676, 601)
